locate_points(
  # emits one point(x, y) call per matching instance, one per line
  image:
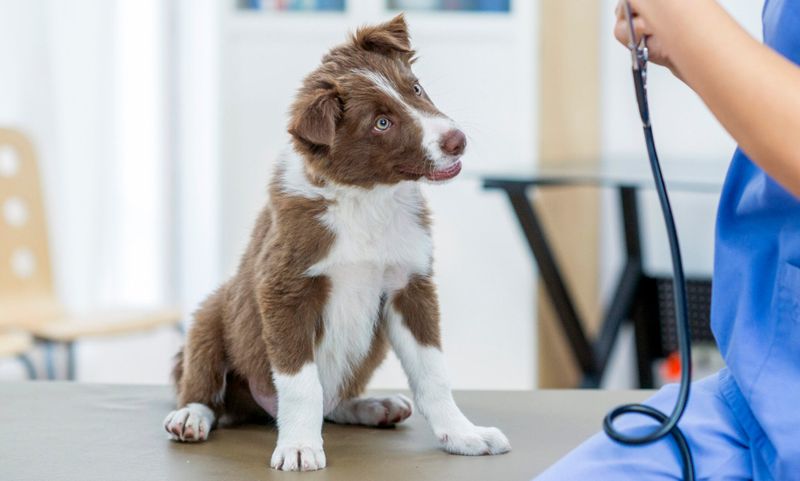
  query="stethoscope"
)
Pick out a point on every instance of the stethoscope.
point(668, 424)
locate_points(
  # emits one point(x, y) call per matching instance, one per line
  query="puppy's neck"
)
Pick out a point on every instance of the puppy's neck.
point(297, 176)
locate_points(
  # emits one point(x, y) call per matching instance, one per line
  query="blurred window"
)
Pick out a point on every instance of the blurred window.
point(293, 5)
point(451, 5)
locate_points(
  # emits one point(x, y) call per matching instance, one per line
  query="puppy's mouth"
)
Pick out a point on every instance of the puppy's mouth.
point(437, 175)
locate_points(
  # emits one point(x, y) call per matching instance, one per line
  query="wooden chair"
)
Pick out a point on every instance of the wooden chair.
point(18, 344)
point(27, 298)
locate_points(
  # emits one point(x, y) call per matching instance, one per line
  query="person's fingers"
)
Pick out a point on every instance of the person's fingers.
point(621, 12)
point(657, 51)
point(640, 28)
point(622, 30)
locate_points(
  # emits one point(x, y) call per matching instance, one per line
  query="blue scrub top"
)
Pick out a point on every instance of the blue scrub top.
point(755, 312)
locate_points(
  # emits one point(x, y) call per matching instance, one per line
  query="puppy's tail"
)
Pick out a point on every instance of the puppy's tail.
point(177, 367)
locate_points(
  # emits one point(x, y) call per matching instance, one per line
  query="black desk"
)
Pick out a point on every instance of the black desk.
point(636, 297)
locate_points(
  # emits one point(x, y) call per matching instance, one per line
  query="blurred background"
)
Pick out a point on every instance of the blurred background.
point(155, 125)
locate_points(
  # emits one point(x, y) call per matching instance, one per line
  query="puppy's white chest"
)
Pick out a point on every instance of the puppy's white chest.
point(379, 243)
point(381, 226)
point(349, 318)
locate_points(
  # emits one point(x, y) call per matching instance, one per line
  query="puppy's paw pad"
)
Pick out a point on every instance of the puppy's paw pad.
point(189, 424)
point(298, 457)
point(476, 441)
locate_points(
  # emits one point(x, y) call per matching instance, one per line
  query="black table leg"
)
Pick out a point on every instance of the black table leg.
point(618, 312)
point(626, 303)
point(647, 331)
point(555, 286)
point(628, 290)
point(30, 368)
point(70, 360)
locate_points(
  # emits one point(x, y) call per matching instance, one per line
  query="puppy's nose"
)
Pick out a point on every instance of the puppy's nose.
point(453, 142)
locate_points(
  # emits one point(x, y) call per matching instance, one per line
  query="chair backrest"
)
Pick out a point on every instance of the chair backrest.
point(26, 285)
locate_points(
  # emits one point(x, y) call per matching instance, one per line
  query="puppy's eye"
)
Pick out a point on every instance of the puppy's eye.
point(382, 124)
point(418, 89)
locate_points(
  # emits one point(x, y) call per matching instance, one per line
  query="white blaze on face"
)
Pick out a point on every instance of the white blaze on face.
point(433, 127)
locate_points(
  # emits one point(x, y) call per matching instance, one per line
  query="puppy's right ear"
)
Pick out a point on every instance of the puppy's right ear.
point(387, 38)
point(315, 114)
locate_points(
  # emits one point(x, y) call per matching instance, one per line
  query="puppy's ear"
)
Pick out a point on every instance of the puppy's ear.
point(386, 38)
point(315, 114)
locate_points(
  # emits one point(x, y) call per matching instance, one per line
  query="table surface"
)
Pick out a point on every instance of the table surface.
point(67, 431)
point(699, 176)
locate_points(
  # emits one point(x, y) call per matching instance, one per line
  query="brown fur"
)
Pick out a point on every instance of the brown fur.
point(420, 310)
point(268, 317)
point(335, 108)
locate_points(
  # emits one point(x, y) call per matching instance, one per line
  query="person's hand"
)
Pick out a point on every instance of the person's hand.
point(657, 52)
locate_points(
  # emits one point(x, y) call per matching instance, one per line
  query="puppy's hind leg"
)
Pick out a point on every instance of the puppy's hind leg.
point(200, 376)
point(372, 411)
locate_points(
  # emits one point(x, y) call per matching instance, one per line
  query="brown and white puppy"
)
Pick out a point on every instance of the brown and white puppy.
point(338, 268)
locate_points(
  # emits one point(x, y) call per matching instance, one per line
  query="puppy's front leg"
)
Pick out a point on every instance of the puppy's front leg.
point(290, 312)
point(299, 421)
point(413, 327)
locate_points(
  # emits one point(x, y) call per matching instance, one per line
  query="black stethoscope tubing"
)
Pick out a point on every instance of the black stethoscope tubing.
point(667, 424)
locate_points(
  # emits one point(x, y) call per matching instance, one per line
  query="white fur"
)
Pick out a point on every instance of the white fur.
point(428, 379)
point(432, 126)
point(299, 420)
point(379, 243)
point(293, 176)
point(349, 318)
point(189, 424)
point(384, 85)
point(372, 411)
point(378, 226)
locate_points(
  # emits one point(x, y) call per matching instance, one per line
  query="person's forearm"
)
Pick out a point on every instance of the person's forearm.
point(752, 90)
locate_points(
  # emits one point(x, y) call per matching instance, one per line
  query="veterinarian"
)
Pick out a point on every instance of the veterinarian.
point(744, 422)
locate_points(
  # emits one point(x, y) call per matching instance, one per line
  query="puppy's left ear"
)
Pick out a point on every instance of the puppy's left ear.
point(315, 114)
point(386, 38)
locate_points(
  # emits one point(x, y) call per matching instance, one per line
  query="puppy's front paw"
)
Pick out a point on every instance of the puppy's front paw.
point(475, 441)
point(298, 457)
point(189, 424)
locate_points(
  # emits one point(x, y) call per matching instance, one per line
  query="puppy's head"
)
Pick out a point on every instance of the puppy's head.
point(363, 118)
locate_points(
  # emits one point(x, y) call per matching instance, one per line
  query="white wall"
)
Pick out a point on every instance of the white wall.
point(195, 92)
